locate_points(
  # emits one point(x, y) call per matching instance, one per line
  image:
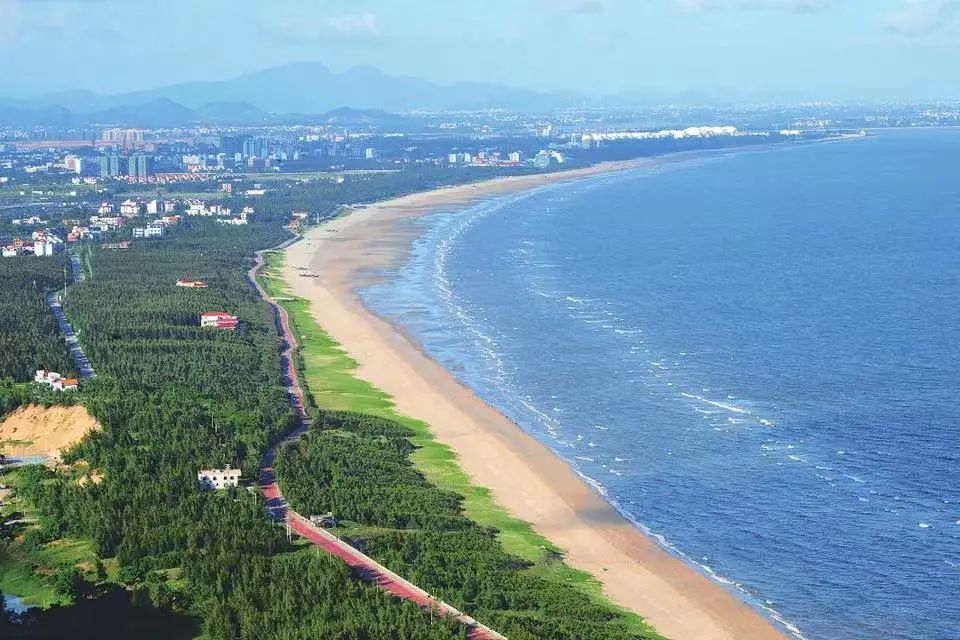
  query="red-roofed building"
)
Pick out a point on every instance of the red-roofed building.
point(219, 320)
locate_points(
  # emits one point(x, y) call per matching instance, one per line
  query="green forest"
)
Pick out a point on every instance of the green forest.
point(358, 466)
point(173, 398)
point(29, 337)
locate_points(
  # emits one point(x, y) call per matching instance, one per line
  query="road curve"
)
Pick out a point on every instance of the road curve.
point(278, 509)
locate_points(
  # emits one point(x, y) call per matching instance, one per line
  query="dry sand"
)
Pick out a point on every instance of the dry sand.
point(36, 430)
point(526, 478)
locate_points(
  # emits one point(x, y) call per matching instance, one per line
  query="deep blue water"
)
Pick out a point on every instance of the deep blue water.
point(755, 355)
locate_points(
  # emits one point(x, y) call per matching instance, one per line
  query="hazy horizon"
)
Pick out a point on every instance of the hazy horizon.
point(812, 49)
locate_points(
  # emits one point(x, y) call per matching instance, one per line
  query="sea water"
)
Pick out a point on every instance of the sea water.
point(754, 355)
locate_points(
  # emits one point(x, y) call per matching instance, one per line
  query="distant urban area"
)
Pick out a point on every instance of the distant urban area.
point(60, 185)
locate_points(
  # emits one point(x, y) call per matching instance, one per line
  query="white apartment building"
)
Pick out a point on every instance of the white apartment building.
point(216, 479)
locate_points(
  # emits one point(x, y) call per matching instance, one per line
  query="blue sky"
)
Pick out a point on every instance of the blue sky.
point(832, 49)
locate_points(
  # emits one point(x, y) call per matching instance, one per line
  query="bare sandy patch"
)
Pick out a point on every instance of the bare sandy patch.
point(34, 430)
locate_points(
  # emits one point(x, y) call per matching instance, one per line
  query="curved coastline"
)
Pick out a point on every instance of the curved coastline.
point(525, 477)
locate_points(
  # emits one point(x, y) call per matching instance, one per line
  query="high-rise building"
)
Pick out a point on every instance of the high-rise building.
point(255, 148)
point(126, 137)
point(110, 166)
point(139, 166)
point(231, 145)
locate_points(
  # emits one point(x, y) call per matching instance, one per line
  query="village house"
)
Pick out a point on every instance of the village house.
point(152, 230)
point(156, 207)
point(215, 479)
point(105, 209)
point(219, 320)
point(28, 222)
point(55, 381)
point(242, 219)
point(79, 233)
point(196, 208)
point(129, 208)
point(41, 243)
point(106, 223)
point(45, 243)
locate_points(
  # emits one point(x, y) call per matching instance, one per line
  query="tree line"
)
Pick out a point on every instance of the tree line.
point(29, 336)
point(358, 466)
point(173, 398)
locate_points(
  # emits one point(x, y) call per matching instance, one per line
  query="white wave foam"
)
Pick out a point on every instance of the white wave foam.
point(716, 403)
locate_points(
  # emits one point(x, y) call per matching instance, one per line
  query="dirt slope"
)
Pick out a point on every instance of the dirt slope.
point(37, 430)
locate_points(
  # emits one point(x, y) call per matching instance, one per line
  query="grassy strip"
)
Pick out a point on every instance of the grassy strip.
point(328, 374)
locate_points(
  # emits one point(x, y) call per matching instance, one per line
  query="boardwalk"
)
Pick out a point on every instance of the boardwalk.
point(84, 367)
point(278, 509)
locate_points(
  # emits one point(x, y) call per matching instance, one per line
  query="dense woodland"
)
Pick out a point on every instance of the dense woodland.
point(358, 467)
point(173, 398)
point(29, 337)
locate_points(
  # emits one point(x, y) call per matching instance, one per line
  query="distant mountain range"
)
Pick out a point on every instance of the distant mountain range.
point(280, 93)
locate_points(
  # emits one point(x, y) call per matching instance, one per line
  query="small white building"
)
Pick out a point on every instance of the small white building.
point(152, 230)
point(216, 479)
point(130, 208)
point(55, 381)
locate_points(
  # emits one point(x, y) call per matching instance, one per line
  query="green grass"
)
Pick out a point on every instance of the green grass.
point(29, 574)
point(329, 376)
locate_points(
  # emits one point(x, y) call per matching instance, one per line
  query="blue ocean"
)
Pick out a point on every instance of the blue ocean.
point(754, 355)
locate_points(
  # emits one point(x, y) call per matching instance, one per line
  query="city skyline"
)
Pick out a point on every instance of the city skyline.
point(812, 49)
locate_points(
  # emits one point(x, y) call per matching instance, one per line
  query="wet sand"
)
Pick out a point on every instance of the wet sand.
point(525, 477)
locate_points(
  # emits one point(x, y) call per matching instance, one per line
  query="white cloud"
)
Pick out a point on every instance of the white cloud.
point(918, 17)
point(359, 23)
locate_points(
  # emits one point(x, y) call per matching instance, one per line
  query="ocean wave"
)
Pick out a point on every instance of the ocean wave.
point(716, 403)
point(744, 594)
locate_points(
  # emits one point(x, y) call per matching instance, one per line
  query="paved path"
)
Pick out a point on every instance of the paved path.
point(84, 367)
point(279, 510)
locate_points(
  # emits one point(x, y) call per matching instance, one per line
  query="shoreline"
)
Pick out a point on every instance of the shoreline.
point(524, 476)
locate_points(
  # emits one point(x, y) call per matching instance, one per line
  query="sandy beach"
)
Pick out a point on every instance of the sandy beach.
point(525, 477)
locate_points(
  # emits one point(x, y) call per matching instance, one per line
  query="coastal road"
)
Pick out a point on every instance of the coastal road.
point(278, 508)
point(84, 367)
